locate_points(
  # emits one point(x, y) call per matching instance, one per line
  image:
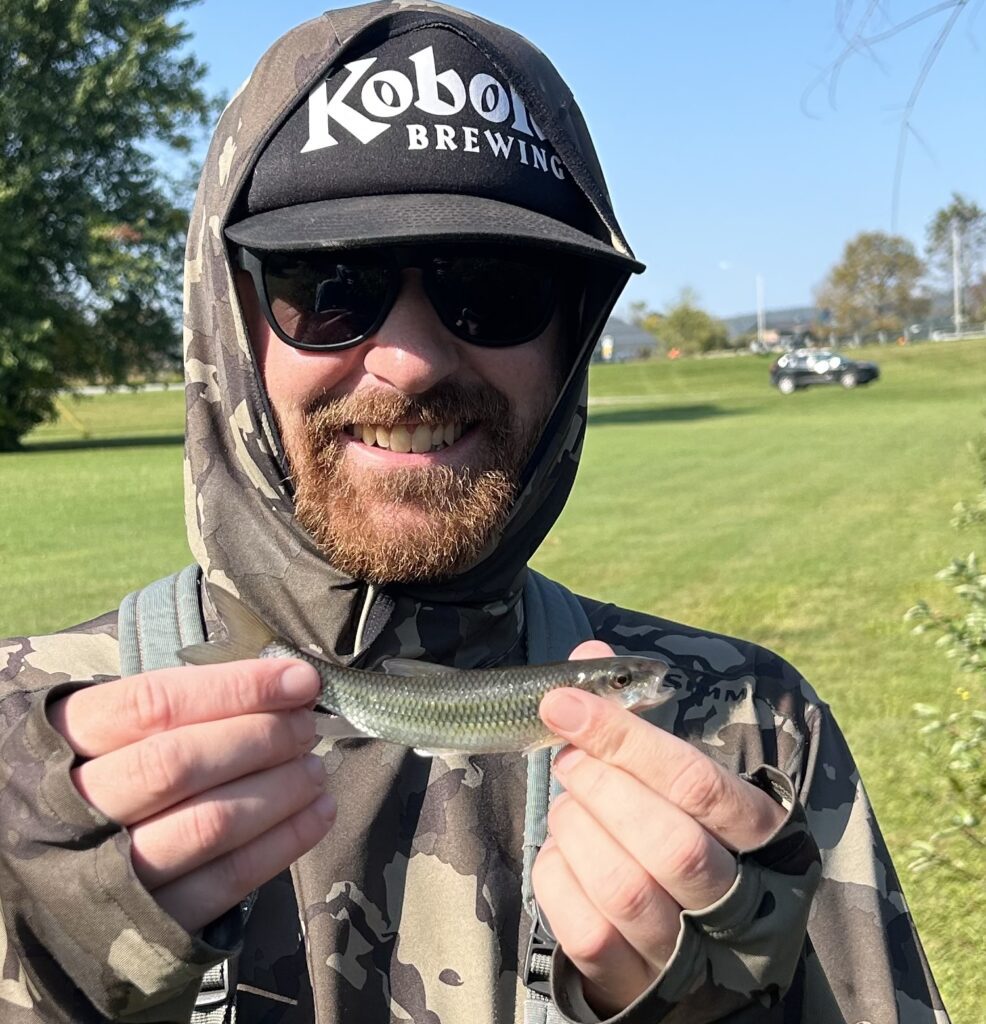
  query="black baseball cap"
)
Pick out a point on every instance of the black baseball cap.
point(418, 138)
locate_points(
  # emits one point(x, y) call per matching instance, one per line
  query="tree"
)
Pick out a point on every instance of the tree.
point(875, 287)
point(683, 325)
point(647, 319)
point(967, 221)
point(91, 231)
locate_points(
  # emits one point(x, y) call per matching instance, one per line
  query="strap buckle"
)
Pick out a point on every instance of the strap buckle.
point(537, 963)
point(214, 990)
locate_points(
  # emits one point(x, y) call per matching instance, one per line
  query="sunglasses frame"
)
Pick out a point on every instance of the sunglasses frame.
point(396, 259)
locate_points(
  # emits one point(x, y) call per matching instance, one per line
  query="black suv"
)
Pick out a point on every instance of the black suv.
point(819, 366)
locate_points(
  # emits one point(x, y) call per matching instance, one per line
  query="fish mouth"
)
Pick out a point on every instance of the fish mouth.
point(408, 438)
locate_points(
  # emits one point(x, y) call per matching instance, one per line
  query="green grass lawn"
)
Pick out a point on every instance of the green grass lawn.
point(809, 523)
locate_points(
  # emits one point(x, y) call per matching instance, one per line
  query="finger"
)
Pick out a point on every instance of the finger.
point(591, 649)
point(183, 838)
point(111, 715)
point(738, 814)
point(618, 886)
point(614, 973)
point(203, 895)
point(133, 783)
point(688, 862)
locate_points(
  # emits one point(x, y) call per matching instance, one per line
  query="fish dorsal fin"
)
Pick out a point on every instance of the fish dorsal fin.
point(413, 667)
point(246, 634)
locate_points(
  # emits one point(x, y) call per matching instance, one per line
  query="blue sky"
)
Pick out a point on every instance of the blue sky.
point(716, 172)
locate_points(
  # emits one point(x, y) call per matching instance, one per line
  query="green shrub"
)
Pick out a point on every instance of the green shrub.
point(954, 737)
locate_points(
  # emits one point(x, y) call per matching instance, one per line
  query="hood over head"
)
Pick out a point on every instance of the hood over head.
point(383, 123)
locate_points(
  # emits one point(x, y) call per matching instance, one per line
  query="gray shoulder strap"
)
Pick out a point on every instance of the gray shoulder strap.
point(155, 623)
point(556, 623)
point(158, 621)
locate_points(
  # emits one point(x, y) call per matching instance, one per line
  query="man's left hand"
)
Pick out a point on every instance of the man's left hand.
point(647, 826)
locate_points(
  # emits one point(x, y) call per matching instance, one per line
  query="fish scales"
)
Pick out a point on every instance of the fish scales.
point(431, 707)
point(480, 710)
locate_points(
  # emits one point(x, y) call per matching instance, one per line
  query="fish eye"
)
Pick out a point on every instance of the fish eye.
point(620, 680)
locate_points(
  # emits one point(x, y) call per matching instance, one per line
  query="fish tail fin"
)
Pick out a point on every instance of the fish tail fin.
point(246, 634)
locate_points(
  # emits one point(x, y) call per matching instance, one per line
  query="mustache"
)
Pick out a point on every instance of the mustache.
point(444, 403)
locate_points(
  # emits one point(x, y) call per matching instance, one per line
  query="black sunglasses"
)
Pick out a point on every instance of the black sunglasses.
point(492, 296)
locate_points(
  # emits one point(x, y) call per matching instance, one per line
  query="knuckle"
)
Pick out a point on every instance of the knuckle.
point(244, 683)
point(700, 789)
point(591, 943)
point(689, 853)
point(609, 732)
point(156, 766)
point(206, 826)
point(149, 706)
point(627, 894)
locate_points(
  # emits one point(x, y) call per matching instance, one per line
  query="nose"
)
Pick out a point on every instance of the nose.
point(412, 350)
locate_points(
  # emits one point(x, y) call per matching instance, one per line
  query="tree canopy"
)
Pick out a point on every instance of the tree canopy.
point(91, 230)
point(875, 286)
point(684, 325)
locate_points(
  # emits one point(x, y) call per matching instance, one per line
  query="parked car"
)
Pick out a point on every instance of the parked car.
point(806, 366)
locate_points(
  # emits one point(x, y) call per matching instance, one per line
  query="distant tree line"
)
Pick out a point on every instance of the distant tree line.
point(879, 288)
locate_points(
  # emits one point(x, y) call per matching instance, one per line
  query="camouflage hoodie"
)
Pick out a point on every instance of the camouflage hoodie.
point(411, 909)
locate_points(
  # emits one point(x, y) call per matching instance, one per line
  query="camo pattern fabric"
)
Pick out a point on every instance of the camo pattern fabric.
point(410, 910)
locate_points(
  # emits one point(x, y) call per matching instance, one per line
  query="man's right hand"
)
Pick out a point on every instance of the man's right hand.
point(209, 769)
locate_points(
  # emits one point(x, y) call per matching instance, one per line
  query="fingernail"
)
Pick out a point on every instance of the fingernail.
point(299, 682)
point(564, 711)
point(314, 767)
point(325, 806)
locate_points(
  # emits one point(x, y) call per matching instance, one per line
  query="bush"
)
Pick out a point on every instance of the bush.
point(954, 738)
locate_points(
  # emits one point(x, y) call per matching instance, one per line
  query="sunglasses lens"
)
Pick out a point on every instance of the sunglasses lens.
point(324, 302)
point(492, 301)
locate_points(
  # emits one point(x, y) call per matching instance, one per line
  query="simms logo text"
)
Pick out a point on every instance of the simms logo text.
point(388, 94)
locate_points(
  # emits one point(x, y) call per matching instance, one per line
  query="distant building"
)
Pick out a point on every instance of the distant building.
point(793, 326)
point(621, 342)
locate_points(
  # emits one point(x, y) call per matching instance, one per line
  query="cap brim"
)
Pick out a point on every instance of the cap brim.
point(393, 219)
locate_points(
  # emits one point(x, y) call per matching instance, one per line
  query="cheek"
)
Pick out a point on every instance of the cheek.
point(291, 376)
point(529, 375)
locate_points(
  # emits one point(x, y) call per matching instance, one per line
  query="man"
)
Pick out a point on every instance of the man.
point(400, 256)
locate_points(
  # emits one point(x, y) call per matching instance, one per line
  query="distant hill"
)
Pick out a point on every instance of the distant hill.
point(783, 320)
point(793, 318)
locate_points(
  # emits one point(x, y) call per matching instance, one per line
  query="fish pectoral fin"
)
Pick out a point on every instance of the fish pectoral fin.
point(412, 667)
point(547, 741)
point(335, 727)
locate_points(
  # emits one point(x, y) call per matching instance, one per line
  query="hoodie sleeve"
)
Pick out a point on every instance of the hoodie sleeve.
point(749, 957)
point(82, 940)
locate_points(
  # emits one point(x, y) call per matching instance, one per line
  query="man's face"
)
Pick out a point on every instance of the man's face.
point(406, 450)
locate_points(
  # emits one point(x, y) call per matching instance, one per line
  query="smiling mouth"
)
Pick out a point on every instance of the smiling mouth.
point(405, 438)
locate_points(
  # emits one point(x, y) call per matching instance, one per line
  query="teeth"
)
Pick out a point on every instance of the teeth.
point(400, 438)
point(421, 439)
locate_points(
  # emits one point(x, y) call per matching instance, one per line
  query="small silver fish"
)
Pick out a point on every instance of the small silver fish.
point(432, 708)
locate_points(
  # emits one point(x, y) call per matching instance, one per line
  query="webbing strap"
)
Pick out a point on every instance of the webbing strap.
point(155, 623)
point(158, 621)
point(214, 1000)
point(556, 623)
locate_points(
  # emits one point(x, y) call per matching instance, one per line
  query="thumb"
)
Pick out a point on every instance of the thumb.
point(591, 649)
